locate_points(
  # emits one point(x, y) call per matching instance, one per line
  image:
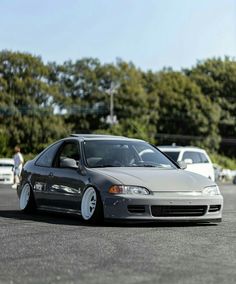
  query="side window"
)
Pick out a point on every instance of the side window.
point(204, 158)
point(69, 151)
point(46, 159)
point(194, 156)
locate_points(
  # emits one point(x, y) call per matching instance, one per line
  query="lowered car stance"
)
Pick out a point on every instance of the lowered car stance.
point(112, 177)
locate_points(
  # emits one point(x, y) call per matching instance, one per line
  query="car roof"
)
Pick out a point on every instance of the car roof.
point(6, 161)
point(101, 137)
point(174, 148)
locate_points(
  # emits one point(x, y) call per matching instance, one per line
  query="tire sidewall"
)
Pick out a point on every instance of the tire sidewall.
point(30, 206)
point(97, 216)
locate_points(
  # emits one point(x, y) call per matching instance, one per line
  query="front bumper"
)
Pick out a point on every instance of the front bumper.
point(118, 207)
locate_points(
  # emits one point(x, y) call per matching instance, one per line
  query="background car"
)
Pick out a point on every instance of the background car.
point(196, 159)
point(112, 177)
point(6, 171)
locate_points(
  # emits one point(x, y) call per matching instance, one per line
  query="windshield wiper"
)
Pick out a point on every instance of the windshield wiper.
point(148, 166)
point(145, 165)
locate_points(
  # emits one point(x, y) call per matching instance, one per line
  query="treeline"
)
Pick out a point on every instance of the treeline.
point(40, 102)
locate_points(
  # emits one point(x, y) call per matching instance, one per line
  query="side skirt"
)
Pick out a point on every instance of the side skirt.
point(59, 210)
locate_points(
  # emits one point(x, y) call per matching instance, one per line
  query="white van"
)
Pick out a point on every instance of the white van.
point(196, 159)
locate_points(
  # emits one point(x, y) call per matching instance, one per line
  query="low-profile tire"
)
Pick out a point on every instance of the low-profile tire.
point(27, 202)
point(91, 206)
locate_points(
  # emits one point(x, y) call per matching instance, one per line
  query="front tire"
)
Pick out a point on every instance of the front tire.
point(27, 202)
point(91, 206)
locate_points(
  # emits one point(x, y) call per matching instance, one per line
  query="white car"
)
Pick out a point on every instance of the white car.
point(196, 159)
point(6, 171)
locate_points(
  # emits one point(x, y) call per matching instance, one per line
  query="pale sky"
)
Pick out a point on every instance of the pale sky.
point(150, 33)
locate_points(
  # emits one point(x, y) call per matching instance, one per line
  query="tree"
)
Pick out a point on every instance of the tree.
point(27, 101)
point(184, 110)
point(82, 100)
point(85, 86)
point(217, 80)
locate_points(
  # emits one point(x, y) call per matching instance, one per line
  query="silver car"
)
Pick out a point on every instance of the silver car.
point(112, 177)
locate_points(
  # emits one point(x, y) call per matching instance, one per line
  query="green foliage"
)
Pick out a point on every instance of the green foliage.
point(28, 156)
point(85, 86)
point(223, 161)
point(183, 109)
point(217, 79)
point(133, 128)
point(40, 102)
point(4, 151)
point(27, 101)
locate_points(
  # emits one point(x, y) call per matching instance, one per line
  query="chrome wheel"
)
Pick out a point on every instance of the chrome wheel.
point(25, 196)
point(88, 204)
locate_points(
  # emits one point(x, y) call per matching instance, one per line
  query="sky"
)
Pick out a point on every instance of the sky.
point(151, 33)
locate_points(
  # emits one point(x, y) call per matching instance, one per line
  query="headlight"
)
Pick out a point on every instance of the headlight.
point(128, 189)
point(211, 190)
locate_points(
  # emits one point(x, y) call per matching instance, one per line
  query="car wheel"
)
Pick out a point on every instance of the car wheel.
point(91, 206)
point(27, 202)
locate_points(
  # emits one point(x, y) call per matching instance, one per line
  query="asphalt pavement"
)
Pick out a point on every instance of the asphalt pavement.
point(53, 248)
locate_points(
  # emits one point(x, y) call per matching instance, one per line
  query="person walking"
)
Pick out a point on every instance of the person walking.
point(18, 165)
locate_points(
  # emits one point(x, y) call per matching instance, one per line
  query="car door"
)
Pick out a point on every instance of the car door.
point(41, 173)
point(66, 182)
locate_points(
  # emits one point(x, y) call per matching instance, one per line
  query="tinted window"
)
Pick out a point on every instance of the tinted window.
point(194, 156)
point(173, 155)
point(70, 150)
point(46, 159)
point(7, 165)
point(204, 158)
point(124, 154)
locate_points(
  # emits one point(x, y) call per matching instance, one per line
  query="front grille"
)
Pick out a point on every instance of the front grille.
point(178, 210)
point(136, 208)
point(214, 208)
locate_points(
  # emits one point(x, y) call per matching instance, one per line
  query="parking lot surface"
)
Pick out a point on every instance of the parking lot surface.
point(53, 248)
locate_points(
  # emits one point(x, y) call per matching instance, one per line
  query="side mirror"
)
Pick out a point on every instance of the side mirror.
point(68, 163)
point(182, 165)
point(188, 161)
point(81, 168)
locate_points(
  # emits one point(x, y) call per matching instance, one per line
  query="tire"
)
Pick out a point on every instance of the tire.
point(91, 206)
point(27, 202)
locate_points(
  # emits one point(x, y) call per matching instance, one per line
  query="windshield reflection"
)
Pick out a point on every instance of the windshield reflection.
point(113, 153)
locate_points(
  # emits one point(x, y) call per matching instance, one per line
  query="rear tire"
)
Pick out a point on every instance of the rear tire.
point(91, 206)
point(27, 202)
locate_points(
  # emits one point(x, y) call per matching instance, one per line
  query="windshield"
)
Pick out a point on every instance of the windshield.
point(110, 153)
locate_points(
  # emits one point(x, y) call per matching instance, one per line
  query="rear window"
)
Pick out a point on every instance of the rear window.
point(6, 165)
point(173, 155)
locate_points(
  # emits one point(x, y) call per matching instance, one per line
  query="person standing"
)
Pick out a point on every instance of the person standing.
point(18, 165)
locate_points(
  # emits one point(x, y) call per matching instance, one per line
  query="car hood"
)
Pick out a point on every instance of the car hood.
point(157, 179)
